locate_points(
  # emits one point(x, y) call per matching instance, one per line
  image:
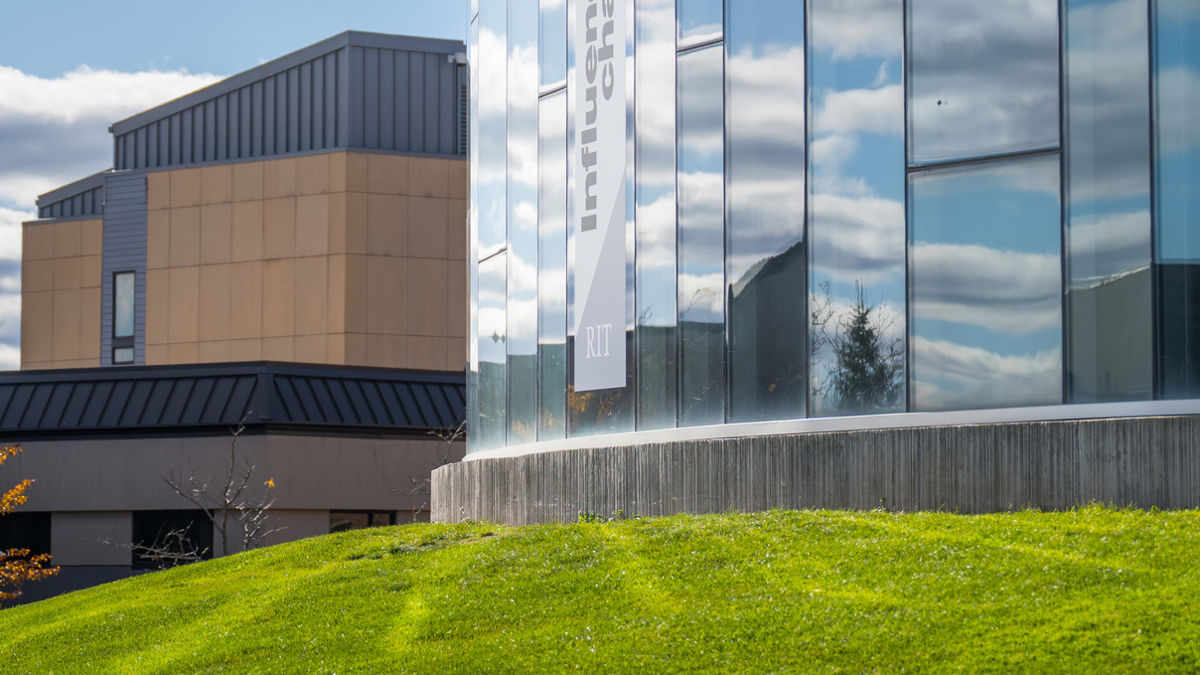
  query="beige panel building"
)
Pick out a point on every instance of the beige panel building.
point(286, 248)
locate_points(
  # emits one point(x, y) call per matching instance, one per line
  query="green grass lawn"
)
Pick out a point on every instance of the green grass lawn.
point(1091, 590)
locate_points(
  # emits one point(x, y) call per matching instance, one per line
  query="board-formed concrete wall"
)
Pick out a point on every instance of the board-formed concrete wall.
point(1142, 462)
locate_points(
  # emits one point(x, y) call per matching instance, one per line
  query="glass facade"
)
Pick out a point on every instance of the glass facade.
point(833, 208)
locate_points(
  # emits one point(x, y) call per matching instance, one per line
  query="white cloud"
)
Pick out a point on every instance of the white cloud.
point(10, 232)
point(1104, 246)
point(947, 375)
point(858, 238)
point(10, 357)
point(873, 32)
point(1004, 291)
point(862, 111)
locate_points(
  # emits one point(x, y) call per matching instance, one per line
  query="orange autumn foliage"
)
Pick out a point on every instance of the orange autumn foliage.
point(17, 566)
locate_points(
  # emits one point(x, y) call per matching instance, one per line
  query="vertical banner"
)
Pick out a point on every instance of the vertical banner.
point(599, 220)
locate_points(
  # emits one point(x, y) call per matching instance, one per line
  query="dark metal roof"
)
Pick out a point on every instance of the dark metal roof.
point(169, 399)
point(84, 197)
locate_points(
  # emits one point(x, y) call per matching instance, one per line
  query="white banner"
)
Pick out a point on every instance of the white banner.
point(599, 222)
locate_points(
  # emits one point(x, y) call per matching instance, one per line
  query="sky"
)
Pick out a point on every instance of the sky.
point(69, 69)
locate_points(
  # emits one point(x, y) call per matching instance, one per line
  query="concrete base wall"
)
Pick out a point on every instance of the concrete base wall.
point(1143, 462)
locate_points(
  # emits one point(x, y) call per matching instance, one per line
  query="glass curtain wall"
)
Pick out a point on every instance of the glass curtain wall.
point(491, 217)
point(1177, 201)
point(654, 149)
point(700, 186)
point(552, 221)
point(1107, 194)
point(766, 267)
point(473, 236)
point(985, 289)
point(856, 208)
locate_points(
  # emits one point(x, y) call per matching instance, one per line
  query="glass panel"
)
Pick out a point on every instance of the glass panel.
point(986, 288)
point(984, 77)
point(856, 206)
point(552, 265)
point(473, 242)
point(1109, 353)
point(699, 20)
point(522, 221)
point(700, 180)
point(1177, 173)
point(552, 52)
point(123, 355)
point(657, 371)
point(492, 351)
point(766, 258)
point(123, 293)
point(491, 111)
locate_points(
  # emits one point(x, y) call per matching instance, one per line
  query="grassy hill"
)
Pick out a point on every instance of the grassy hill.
point(1088, 590)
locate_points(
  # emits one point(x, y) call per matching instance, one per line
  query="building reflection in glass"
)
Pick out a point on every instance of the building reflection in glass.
point(1177, 178)
point(984, 77)
point(656, 315)
point(492, 346)
point(765, 264)
point(1107, 192)
point(700, 181)
point(552, 265)
point(856, 203)
point(986, 320)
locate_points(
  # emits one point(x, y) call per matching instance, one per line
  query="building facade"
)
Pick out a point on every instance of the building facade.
point(283, 251)
point(694, 220)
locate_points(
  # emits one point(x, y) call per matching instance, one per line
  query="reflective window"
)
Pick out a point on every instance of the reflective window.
point(552, 265)
point(856, 206)
point(552, 54)
point(473, 243)
point(986, 285)
point(699, 21)
point(700, 181)
point(657, 372)
point(123, 322)
point(492, 153)
point(1108, 301)
point(490, 430)
point(984, 77)
point(1177, 176)
point(522, 221)
point(766, 268)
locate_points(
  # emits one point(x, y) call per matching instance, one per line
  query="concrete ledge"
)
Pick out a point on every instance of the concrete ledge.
point(1140, 461)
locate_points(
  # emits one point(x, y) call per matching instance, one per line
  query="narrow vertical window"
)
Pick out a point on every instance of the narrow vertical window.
point(123, 292)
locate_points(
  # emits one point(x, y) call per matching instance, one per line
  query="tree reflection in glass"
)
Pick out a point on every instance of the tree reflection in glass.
point(986, 285)
point(856, 200)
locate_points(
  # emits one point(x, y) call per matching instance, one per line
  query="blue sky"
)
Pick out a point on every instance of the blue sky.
point(68, 69)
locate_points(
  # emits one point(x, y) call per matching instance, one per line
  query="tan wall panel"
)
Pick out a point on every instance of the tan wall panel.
point(158, 239)
point(312, 175)
point(247, 243)
point(427, 227)
point(386, 307)
point(182, 352)
point(216, 184)
point(279, 178)
point(216, 225)
point(386, 231)
point(311, 349)
point(428, 353)
point(37, 275)
point(67, 238)
point(247, 181)
point(213, 352)
point(158, 303)
point(89, 323)
point(336, 222)
point(185, 188)
point(279, 228)
point(429, 177)
point(312, 287)
point(245, 350)
point(91, 237)
point(67, 320)
point(158, 190)
point(456, 354)
point(37, 241)
point(356, 222)
point(457, 310)
point(356, 293)
point(183, 294)
point(335, 310)
point(456, 229)
point(66, 272)
point(337, 171)
point(357, 172)
point(279, 348)
point(91, 271)
point(335, 348)
point(37, 323)
point(387, 351)
point(279, 299)
point(156, 355)
point(425, 286)
point(457, 175)
point(216, 294)
point(185, 236)
point(246, 300)
point(356, 349)
point(387, 174)
point(312, 225)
